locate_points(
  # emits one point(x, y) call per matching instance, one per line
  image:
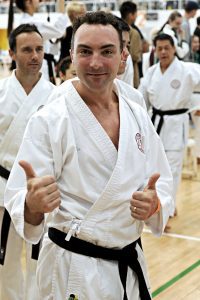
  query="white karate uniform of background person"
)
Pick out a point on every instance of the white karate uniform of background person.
point(195, 113)
point(172, 90)
point(49, 30)
point(59, 140)
point(16, 108)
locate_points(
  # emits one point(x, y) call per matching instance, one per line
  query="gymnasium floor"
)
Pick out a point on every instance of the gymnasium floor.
point(174, 259)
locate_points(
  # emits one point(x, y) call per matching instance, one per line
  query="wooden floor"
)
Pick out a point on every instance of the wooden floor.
point(174, 259)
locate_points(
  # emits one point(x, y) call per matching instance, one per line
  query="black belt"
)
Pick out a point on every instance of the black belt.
point(126, 257)
point(6, 226)
point(4, 172)
point(4, 235)
point(50, 59)
point(161, 113)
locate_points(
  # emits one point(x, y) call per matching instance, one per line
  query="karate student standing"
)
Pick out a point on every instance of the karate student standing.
point(21, 94)
point(167, 88)
point(91, 158)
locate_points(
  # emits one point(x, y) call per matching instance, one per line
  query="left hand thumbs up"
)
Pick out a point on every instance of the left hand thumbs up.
point(144, 203)
point(151, 185)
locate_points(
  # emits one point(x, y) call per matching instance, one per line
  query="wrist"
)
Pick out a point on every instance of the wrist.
point(33, 218)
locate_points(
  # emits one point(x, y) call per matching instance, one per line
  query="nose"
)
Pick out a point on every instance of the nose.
point(163, 50)
point(125, 53)
point(95, 61)
point(34, 54)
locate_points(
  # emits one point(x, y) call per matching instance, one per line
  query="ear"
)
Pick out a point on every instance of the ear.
point(12, 54)
point(71, 55)
point(62, 76)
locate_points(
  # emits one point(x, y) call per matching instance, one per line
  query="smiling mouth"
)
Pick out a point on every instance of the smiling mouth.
point(96, 74)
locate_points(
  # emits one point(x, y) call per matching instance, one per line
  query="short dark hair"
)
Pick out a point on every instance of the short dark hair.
point(23, 28)
point(175, 14)
point(126, 8)
point(191, 5)
point(124, 26)
point(64, 64)
point(21, 4)
point(97, 18)
point(163, 37)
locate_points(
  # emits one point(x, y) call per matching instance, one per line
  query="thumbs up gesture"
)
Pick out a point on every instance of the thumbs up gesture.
point(42, 195)
point(145, 203)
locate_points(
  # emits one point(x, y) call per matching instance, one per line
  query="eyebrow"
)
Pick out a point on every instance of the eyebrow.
point(103, 47)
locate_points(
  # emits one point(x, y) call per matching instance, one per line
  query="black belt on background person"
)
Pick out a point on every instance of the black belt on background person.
point(126, 257)
point(6, 226)
point(50, 60)
point(162, 113)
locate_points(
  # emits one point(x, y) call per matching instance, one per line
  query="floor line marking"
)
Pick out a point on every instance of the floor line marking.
point(176, 278)
point(178, 236)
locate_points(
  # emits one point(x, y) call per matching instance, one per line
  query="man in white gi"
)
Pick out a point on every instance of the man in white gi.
point(97, 156)
point(21, 94)
point(167, 88)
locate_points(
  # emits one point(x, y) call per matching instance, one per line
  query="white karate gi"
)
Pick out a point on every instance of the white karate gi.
point(16, 109)
point(196, 120)
point(182, 47)
point(96, 183)
point(120, 86)
point(48, 30)
point(128, 75)
point(172, 90)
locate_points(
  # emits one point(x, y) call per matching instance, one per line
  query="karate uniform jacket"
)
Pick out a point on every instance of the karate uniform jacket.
point(96, 183)
point(16, 109)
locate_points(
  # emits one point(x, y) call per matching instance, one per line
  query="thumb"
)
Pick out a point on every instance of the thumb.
point(151, 185)
point(28, 169)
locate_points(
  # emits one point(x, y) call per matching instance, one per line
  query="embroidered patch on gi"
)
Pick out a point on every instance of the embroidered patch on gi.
point(175, 84)
point(139, 141)
point(73, 297)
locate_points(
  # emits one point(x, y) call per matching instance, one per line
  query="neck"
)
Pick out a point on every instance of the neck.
point(164, 67)
point(102, 99)
point(187, 16)
point(30, 11)
point(27, 82)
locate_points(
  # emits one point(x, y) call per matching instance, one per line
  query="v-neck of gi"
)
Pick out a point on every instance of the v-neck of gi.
point(93, 126)
point(19, 88)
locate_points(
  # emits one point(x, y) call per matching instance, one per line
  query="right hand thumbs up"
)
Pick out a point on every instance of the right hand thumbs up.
point(42, 195)
point(28, 169)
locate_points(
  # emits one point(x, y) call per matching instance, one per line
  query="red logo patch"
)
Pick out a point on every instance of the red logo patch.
point(139, 142)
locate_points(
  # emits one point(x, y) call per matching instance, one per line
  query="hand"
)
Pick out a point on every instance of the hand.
point(42, 195)
point(197, 113)
point(144, 203)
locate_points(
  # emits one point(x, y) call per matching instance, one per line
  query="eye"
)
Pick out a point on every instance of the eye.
point(27, 50)
point(107, 52)
point(85, 52)
point(40, 49)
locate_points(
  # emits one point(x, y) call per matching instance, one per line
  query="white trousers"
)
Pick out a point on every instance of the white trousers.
point(17, 279)
point(196, 121)
point(175, 159)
